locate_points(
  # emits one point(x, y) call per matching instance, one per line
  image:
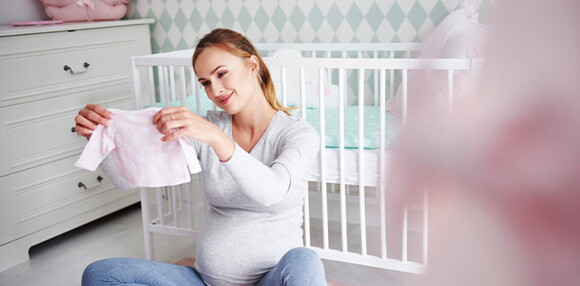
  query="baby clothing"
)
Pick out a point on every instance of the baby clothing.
point(140, 157)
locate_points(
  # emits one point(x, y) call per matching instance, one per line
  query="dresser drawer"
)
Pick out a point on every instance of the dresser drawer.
point(39, 66)
point(39, 132)
point(40, 197)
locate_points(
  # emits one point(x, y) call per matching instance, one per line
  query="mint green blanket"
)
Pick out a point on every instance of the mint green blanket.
point(351, 126)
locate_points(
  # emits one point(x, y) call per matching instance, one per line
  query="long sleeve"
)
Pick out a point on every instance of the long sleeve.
point(268, 185)
point(97, 154)
point(98, 147)
point(110, 170)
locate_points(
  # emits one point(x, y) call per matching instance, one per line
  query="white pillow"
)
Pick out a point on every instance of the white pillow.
point(312, 82)
point(459, 35)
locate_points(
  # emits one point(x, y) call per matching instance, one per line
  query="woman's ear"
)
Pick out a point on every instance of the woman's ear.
point(254, 64)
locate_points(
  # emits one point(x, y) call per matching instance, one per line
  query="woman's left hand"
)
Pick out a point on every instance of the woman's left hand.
point(176, 122)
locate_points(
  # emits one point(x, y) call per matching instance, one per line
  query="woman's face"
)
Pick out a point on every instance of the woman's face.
point(227, 79)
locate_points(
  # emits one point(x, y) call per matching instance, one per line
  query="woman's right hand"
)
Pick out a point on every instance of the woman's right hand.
point(89, 117)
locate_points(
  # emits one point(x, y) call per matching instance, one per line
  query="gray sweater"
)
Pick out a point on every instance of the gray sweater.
point(253, 202)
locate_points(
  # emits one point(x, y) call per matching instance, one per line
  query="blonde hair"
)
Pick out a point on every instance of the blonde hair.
point(238, 45)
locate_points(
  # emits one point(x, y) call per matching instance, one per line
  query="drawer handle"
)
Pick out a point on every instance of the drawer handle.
point(69, 69)
point(81, 185)
point(100, 179)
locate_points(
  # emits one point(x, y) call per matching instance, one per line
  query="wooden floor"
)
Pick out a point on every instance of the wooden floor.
point(61, 260)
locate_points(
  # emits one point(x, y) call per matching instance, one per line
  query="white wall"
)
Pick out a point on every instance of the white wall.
point(21, 10)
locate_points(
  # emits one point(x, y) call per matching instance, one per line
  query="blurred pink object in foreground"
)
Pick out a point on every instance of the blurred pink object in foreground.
point(504, 173)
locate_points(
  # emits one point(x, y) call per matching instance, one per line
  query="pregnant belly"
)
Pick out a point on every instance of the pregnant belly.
point(241, 255)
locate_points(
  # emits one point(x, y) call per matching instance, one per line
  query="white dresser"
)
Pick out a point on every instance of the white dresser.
point(47, 74)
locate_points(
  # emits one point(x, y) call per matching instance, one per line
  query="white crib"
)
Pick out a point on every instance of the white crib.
point(345, 208)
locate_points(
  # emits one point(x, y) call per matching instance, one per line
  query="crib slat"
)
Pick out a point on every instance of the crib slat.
point(284, 89)
point(376, 81)
point(161, 81)
point(361, 163)
point(341, 95)
point(392, 78)
point(171, 84)
point(182, 85)
point(179, 198)
point(405, 96)
point(173, 194)
point(146, 218)
point(151, 85)
point(151, 81)
point(382, 168)
point(307, 242)
point(323, 161)
point(135, 84)
point(167, 86)
point(302, 93)
point(159, 198)
point(189, 204)
point(306, 198)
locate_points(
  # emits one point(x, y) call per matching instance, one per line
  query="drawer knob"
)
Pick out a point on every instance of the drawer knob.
point(78, 71)
point(73, 130)
point(81, 185)
point(100, 179)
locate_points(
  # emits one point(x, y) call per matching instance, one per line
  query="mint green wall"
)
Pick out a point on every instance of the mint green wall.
point(180, 23)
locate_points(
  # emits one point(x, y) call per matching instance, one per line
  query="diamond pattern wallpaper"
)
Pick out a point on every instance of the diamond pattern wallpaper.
point(180, 23)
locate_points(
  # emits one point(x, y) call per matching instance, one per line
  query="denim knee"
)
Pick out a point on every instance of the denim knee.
point(302, 266)
point(302, 254)
point(303, 257)
point(100, 271)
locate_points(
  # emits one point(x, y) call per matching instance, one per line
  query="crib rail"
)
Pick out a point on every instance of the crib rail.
point(345, 50)
point(345, 210)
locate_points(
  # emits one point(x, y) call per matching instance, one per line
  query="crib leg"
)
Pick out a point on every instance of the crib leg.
point(145, 215)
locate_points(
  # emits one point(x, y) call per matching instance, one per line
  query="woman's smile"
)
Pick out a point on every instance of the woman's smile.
point(225, 98)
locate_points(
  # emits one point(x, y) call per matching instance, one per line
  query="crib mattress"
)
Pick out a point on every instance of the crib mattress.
point(370, 170)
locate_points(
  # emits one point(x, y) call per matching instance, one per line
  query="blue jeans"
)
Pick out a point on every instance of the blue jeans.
point(299, 266)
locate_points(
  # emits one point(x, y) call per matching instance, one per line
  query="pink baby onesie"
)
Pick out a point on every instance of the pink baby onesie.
point(141, 158)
